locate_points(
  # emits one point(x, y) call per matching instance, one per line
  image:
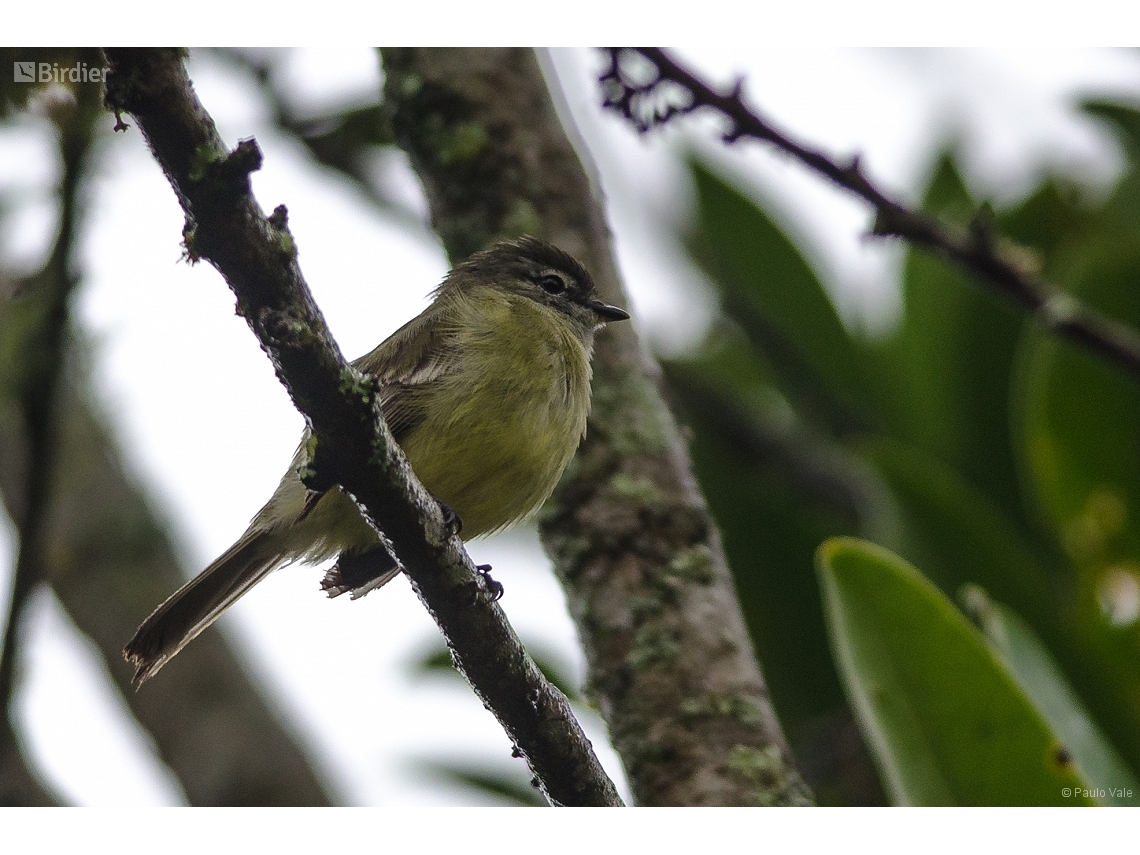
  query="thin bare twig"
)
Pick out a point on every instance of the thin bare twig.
point(649, 88)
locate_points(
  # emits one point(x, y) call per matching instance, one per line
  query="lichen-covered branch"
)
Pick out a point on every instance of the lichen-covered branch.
point(352, 445)
point(670, 662)
point(649, 87)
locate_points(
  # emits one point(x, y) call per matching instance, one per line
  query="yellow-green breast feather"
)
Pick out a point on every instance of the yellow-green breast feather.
point(492, 464)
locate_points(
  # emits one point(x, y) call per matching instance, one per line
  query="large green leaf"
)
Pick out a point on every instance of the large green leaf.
point(771, 292)
point(949, 360)
point(1038, 675)
point(948, 723)
point(958, 535)
point(1081, 430)
point(1079, 419)
point(1080, 427)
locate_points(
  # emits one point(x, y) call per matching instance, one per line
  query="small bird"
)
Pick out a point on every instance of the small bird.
point(487, 391)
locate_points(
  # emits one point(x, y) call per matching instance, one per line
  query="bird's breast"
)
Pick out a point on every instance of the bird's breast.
point(495, 439)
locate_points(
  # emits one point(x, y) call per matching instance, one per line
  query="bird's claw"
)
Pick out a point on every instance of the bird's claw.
point(451, 520)
point(489, 591)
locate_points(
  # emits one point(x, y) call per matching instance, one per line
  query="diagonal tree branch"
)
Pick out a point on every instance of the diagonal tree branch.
point(649, 87)
point(352, 445)
point(91, 533)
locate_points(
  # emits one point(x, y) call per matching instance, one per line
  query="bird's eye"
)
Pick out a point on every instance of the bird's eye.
point(552, 284)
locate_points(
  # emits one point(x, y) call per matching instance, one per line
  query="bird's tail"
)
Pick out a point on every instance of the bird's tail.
point(200, 602)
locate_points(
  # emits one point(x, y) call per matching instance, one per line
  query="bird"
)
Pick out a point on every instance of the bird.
point(487, 392)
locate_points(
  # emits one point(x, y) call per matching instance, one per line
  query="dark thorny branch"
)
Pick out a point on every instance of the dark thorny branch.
point(353, 447)
point(649, 88)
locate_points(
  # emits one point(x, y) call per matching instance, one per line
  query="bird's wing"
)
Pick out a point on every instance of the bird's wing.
point(408, 363)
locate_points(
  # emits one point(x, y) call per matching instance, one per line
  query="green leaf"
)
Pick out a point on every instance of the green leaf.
point(768, 288)
point(1079, 430)
point(1012, 639)
point(1116, 220)
point(950, 360)
point(1125, 120)
point(958, 535)
point(947, 722)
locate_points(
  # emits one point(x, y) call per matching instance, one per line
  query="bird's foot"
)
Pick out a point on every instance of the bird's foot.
point(451, 520)
point(489, 591)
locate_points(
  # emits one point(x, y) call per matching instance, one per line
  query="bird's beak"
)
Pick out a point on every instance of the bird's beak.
point(607, 313)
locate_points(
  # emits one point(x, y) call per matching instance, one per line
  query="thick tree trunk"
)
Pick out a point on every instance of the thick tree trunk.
point(670, 662)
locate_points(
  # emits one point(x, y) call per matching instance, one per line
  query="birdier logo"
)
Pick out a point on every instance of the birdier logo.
point(53, 72)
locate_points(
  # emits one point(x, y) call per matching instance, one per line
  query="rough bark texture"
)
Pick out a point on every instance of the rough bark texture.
point(670, 662)
point(351, 445)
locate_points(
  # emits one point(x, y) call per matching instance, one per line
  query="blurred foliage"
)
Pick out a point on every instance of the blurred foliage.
point(349, 142)
point(488, 777)
point(86, 527)
point(508, 787)
point(16, 95)
point(437, 660)
point(966, 441)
